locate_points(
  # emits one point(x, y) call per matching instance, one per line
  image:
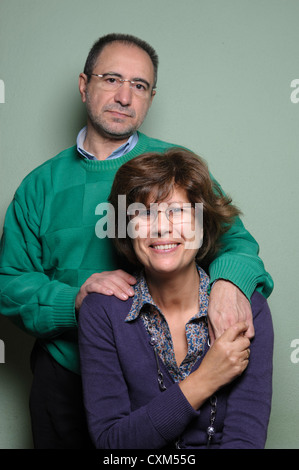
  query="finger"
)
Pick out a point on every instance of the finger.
point(125, 276)
point(242, 343)
point(234, 331)
point(250, 333)
point(121, 290)
point(246, 355)
point(117, 286)
point(121, 282)
point(217, 330)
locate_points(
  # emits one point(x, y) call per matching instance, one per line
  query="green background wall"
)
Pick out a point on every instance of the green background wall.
point(224, 90)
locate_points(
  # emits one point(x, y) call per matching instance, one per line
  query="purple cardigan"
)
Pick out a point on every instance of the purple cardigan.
point(126, 408)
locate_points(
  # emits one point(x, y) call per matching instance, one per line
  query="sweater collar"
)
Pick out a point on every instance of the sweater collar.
point(143, 297)
point(119, 152)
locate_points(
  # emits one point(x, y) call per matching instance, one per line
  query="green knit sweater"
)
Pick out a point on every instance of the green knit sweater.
point(49, 247)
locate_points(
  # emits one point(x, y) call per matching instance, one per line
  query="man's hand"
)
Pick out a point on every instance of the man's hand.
point(118, 283)
point(227, 306)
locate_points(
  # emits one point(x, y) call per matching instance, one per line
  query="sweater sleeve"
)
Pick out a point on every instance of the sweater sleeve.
point(37, 304)
point(249, 399)
point(113, 424)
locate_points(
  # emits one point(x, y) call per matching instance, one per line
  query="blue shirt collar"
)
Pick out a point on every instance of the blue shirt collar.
point(119, 152)
point(142, 296)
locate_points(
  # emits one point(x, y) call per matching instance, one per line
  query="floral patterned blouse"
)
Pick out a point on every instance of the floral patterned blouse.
point(157, 327)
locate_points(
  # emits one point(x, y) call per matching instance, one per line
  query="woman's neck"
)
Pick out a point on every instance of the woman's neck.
point(175, 293)
point(177, 297)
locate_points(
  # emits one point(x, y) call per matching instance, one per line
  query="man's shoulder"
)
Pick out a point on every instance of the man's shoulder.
point(42, 174)
point(157, 144)
point(66, 154)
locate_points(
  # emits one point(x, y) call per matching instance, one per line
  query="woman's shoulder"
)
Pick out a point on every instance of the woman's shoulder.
point(259, 304)
point(262, 318)
point(100, 305)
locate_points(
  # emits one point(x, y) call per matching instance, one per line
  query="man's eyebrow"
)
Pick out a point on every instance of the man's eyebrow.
point(112, 73)
point(142, 80)
point(136, 79)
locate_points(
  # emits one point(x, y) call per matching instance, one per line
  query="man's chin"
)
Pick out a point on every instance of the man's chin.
point(116, 134)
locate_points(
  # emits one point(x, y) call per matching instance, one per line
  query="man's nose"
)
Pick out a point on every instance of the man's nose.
point(124, 94)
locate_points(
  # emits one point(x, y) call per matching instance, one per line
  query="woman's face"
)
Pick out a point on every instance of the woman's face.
point(171, 234)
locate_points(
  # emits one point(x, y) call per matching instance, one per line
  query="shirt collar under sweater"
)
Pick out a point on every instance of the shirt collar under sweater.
point(196, 328)
point(119, 152)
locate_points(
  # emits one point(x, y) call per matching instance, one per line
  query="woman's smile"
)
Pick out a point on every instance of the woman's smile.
point(164, 247)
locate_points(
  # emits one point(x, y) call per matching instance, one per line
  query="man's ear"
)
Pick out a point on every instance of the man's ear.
point(82, 86)
point(153, 94)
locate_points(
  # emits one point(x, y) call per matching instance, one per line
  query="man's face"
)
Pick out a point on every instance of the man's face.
point(117, 114)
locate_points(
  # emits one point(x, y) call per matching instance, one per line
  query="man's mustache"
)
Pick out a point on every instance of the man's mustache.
point(120, 109)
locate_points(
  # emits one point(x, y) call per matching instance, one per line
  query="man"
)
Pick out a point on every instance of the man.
point(51, 257)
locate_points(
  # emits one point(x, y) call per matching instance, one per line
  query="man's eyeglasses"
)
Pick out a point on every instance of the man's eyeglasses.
point(110, 82)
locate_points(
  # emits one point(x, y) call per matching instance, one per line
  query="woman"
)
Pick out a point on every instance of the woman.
point(150, 378)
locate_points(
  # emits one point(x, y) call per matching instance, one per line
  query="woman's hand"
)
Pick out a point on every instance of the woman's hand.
point(227, 359)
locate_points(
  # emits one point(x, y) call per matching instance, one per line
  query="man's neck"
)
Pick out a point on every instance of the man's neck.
point(99, 146)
